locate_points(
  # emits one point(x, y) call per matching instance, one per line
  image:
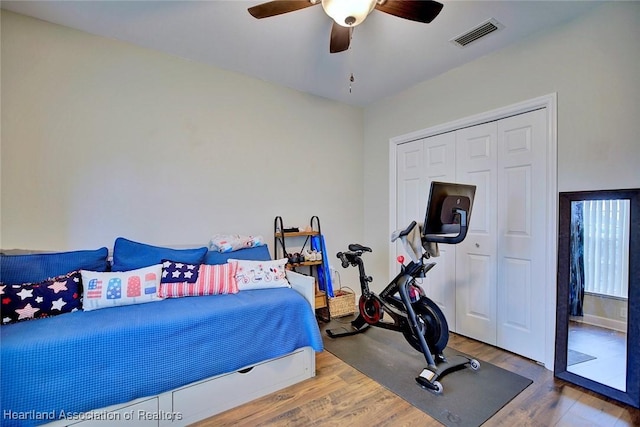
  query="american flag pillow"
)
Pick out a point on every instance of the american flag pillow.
point(179, 272)
point(197, 279)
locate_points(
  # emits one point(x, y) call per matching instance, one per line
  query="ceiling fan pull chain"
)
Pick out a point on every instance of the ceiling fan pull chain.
point(350, 62)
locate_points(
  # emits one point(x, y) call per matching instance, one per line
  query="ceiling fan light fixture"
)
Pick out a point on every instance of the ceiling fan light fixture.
point(348, 13)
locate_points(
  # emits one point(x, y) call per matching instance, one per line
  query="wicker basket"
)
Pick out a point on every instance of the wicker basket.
point(343, 303)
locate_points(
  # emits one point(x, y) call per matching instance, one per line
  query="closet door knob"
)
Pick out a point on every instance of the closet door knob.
point(477, 245)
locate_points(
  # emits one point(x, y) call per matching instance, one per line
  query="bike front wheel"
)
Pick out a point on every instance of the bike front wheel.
point(432, 324)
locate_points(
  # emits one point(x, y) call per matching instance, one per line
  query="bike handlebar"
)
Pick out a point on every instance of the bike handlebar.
point(353, 255)
point(343, 259)
point(353, 258)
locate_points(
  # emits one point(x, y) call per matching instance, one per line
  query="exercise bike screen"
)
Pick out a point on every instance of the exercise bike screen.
point(444, 197)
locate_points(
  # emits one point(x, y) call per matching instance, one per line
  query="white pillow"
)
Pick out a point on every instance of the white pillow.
point(261, 274)
point(113, 289)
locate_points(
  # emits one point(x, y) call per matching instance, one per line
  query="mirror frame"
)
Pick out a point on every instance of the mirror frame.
point(631, 395)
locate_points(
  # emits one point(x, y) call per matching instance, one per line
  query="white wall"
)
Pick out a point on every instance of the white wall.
point(592, 63)
point(103, 139)
point(91, 125)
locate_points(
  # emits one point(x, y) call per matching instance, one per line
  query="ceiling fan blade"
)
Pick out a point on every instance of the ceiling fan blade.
point(273, 8)
point(415, 10)
point(340, 38)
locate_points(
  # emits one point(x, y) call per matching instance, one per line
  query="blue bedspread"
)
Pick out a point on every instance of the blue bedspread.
point(88, 360)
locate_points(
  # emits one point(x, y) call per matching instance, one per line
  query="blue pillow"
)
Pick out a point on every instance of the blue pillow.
point(258, 253)
point(34, 268)
point(130, 255)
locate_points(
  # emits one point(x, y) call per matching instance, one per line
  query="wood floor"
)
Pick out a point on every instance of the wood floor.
point(339, 395)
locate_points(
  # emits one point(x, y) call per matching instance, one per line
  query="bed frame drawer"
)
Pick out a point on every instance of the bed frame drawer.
point(202, 399)
point(213, 396)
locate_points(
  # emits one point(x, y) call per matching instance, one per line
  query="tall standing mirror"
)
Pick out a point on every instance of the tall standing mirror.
point(598, 299)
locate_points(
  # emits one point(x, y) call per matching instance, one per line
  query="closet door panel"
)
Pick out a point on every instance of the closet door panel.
point(409, 190)
point(439, 158)
point(522, 193)
point(439, 165)
point(476, 159)
point(409, 187)
point(418, 164)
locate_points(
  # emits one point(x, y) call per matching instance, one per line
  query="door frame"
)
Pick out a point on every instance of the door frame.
point(550, 103)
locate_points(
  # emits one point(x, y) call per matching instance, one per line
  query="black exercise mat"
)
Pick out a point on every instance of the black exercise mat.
point(469, 397)
point(574, 357)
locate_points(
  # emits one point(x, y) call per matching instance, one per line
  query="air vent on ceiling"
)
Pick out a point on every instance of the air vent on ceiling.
point(477, 33)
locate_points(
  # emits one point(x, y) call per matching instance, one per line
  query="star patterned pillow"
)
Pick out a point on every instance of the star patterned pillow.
point(37, 300)
point(179, 272)
point(190, 280)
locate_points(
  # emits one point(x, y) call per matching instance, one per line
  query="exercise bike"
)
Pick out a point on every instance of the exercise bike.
point(411, 312)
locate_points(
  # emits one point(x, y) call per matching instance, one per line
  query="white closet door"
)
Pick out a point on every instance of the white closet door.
point(409, 186)
point(439, 160)
point(476, 267)
point(418, 164)
point(409, 191)
point(491, 287)
point(522, 190)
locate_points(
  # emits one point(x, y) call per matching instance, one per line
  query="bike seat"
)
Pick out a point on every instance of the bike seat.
point(356, 247)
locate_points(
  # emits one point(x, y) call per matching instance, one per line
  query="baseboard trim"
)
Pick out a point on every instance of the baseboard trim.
point(602, 322)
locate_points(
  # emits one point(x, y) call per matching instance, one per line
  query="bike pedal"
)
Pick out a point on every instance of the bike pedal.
point(427, 374)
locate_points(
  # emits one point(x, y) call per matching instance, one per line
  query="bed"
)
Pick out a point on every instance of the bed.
point(171, 362)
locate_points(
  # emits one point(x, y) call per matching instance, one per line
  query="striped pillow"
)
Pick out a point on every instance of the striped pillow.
point(210, 280)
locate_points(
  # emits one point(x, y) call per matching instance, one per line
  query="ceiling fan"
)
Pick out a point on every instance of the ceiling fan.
point(347, 14)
